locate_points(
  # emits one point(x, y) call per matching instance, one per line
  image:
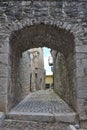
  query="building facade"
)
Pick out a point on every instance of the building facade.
point(49, 81)
point(31, 76)
point(37, 75)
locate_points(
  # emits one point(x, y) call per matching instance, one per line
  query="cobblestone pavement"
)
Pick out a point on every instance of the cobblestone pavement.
point(43, 101)
point(16, 125)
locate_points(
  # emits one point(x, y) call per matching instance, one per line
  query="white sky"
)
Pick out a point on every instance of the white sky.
point(46, 65)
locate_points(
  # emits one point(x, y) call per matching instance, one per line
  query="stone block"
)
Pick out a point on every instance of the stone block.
point(80, 72)
point(82, 109)
point(77, 40)
point(4, 59)
point(5, 67)
point(82, 93)
point(80, 56)
point(5, 48)
point(31, 116)
point(2, 116)
point(20, 25)
point(85, 71)
point(79, 63)
point(82, 48)
point(4, 72)
point(84, 62)
point(3, 102)
point(81, 83)
point(3, 85)
point(65, 117)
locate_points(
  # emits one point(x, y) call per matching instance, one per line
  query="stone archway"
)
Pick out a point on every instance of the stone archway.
point(57, 35)
point(40, 35)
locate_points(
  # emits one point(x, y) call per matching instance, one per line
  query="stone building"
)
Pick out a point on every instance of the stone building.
point(37, 75)
point(31, 76)
point(49, 81)
point(59, 25)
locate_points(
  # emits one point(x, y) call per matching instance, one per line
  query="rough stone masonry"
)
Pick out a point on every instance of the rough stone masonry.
point(58, 24)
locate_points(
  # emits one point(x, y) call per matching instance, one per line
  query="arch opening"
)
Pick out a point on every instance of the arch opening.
point(62, 46)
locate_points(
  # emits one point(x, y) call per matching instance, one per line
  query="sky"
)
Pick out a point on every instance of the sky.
point(46, 65)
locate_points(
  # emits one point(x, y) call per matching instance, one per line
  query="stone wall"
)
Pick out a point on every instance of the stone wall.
point(37, 69)
point(22, 66)
point(61, 83)
point(64, 77)
point(82, 83)
point(24, 74)
point(55, 24)
point(5, 77)
point(14, 87)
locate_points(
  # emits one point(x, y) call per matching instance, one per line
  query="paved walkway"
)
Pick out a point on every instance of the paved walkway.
point(44, 101)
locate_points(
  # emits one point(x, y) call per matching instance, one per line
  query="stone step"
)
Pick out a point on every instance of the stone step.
point(2, 116)
point(43, 117)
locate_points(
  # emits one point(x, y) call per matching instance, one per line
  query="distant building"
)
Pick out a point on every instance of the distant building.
point(49, 81)
point(37, 75)
point(32, 74)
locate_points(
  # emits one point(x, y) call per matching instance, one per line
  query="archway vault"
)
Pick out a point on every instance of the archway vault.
point(26, 34)
point(43, 35)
